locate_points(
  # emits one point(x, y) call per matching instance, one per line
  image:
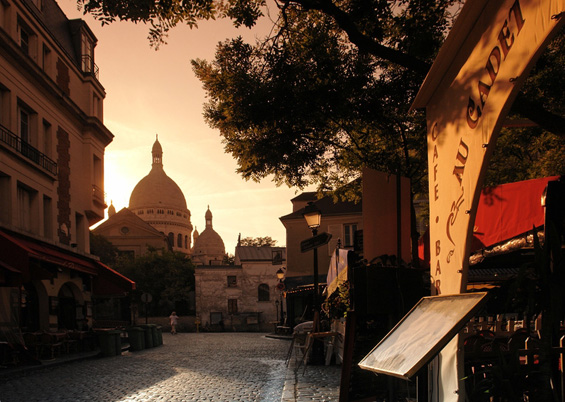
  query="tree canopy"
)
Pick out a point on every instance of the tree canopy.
point(328, 92)
point(167, 276)
point(266, 241)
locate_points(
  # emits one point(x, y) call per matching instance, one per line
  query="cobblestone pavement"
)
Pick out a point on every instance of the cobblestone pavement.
point(313, 383)
point(187, 367)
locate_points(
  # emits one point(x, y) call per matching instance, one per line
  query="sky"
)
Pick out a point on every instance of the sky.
point(151, 93)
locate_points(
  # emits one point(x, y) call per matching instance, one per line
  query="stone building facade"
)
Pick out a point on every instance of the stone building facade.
point(52, 141)
point(244, 296)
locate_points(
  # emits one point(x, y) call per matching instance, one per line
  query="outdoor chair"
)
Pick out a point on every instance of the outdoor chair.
point(298, 343)
point(51, 345)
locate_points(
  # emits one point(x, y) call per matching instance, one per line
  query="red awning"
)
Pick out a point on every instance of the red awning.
point(16, 252)
point(111, 283)
point(14, 256)
point(504, 212)
point(509, 210)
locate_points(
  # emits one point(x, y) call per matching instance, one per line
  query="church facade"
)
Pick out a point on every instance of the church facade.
point(158, 217)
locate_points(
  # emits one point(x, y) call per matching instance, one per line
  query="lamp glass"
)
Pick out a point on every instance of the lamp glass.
point(280, 274)
point(313, 219)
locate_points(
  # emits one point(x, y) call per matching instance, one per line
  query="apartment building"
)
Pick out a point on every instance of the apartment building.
point(52, 141)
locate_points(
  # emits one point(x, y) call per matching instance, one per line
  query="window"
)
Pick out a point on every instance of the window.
point(46, 59)
point(87, 50)
point(349, 234)
point(149, 211)
point(179, 240)
point(24, 125)
point(232, 306)
point(5, 198)
point(27, 216)
point(96, 106)
point(263, 292)
point(47, 139)
point(4, 105)
point(185, 241)
point(171, 238)
point(24, 39)
point(215, 318)
point(277, 257)
point(232, 281)
point(47, 217)
point(160, 211)
point(140, 212)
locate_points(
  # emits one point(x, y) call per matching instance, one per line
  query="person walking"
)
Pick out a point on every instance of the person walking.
point(174, 320)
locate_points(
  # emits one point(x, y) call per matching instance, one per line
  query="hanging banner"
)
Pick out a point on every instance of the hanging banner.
point(467, 94)
point(337, 271)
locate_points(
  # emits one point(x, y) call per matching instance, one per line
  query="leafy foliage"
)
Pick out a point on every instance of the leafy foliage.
point(103, 248)
point(266, 241)
point(168, 277)
point(338, 304)
point(308, 108)
point(163, 15)
point(328, 92)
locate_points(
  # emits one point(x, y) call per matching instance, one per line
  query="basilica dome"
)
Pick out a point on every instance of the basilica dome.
point(159, 201)
point(157, 189)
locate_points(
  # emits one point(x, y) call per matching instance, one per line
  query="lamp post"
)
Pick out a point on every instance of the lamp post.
point(280, 276)
point(313, 218)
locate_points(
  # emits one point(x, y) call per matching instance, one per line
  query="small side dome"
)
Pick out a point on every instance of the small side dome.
point(111, 210)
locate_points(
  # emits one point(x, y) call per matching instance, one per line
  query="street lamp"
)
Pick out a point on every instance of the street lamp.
point(313, 218)
point(280, 276)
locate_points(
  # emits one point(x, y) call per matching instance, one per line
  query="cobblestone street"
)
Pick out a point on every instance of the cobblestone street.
point(188, 367)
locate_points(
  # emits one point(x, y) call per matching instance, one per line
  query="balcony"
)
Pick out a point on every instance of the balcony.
point(98, 196)
point(30, 153)
point(89, 67)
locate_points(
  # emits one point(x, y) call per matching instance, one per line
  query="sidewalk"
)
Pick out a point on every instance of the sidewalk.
point(311, 383)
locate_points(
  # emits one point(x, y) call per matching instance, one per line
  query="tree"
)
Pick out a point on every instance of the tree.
point(257, 242)
point(103, 248)
point(329, 91)
point(167, 276)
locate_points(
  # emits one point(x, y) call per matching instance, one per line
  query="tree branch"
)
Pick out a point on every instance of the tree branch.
point(362, 41)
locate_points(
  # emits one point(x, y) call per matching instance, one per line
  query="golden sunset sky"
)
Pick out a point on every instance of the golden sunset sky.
point(152, 92)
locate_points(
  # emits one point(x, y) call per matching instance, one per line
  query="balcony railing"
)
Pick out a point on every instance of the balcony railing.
point(13, 141)
point(98, 194)
point(89, 67)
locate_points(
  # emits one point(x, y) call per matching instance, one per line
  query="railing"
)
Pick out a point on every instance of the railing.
point(89, 67)
point(98, 194)
point(23, 148)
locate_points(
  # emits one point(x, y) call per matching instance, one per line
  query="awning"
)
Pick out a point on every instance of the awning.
point(14, 256)
point(508, 210)
point(504, 212)
point(16, 251)
point(56, 256)
point(110, 282)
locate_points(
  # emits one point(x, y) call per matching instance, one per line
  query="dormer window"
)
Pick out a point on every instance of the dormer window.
point(26, 38)
point(87, 51)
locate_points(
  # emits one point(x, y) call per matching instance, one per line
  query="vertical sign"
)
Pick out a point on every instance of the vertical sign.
point(467, 94)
